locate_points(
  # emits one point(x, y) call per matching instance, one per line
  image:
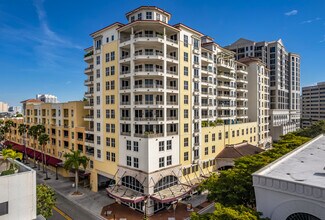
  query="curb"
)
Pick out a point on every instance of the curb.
point(74, 202)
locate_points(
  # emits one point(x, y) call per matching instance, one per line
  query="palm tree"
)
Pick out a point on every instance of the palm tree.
point(9, 153)
point(73, 161)
point(22, 129)
point(35, 131)
point(43, 139)
point(7, 127)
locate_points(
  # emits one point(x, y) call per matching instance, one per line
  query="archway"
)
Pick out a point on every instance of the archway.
point(166, 182)
point(132, 183)
point(302, 216)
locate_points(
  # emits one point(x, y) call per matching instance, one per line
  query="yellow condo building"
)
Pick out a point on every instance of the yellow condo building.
point(162, 102)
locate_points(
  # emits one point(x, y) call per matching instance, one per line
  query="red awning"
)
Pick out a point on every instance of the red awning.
point(50, 160)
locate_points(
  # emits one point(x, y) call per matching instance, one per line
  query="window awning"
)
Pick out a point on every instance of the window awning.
point(172, 193)
point(124, 194)
point(50, 160)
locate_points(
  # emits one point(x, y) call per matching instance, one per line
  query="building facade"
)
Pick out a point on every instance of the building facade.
point(3, 107)
point(259, 98)
point(293, 184)
point(284, 81)
point(47, 98)
point(162, 102)
point(313, 104)
point(14, 109)
point(156, 95)
point(13, 196)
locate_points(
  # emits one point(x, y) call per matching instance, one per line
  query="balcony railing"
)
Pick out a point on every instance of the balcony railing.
point(125, 133)
point(125, 56)
point(148, 36)
point(125, 118)
point(149, 53)
point(172, 40)
point(148, 86)
point(172, 133)
point(148, 70)
point(149, 135)
point(125, 103)
point(171, 103)
point(149, 119)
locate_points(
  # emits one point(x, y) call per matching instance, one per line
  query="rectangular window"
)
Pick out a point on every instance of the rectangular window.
point(113, 157)
point(107, 112)
point(113, 55)
point(112, 70)
point(112, 85)
point(112, 37)
point(161, 145)
point(112, 113)
point(161, 162)
point(135, 146)
point(128, 161)
point(206, 138)
point(108, 142)
point(107, 71)
point(213, 149)
point(99, 153)
point(185, 113)
point(185, 41)
point(112, 99)
point(169, 145)
point(98, 60)
point(108, 128)
point(169, 160)
point(185, 99)
point(113, 142)
point(98, 140)
point(185, 128)
point(185, 156)
point(185, 71)
point(107, 57)
point(113, 128)
point(128, 145)
point(98, 126)
point(185, 85)
point(148, 15)
point(185, 142)
point(213, 137)
point(136, 162)
point(206, 151)
point(108, 156)
point(4, 208)
point(185, 56)
point(233, 133)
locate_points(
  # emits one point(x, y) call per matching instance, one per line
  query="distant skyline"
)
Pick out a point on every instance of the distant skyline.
point(42, 41)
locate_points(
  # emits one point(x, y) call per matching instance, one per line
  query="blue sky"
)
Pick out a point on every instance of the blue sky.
point(42, 41)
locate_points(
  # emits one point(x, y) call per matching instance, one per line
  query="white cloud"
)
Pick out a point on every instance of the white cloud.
point(323, 40)
point(311, 20)
point(290, 13)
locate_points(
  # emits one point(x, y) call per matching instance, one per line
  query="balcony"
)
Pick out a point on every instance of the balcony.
point(172, 88)
point(124, 133)
point(171, 103)
point(149, 55)
point(89, 106)
point(89, 130)
point(89, 56)
point(125, 103)
point(242, 89)
point(148, 135)
point(125, 87)
point(227, 64)
point(89, 118)
point(148, 38)
point(170, 118)
point(124, 73)
point(148, 86)
point(89, 70)
point(226, 76)
point(174, 73)
point(148, 119)
point(89, 94)
point(125, 118)
point(89, 82)
point(149, 71)
point(170, 133)
point(226, 86)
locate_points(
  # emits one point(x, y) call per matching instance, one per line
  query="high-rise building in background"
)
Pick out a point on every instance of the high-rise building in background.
point(313, 104)
point(3, 107)
point(47, 98)
point(284, 81)
point(14, 109)
point(259, 98)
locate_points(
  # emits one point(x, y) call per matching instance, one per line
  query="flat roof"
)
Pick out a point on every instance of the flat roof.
point(304, 165)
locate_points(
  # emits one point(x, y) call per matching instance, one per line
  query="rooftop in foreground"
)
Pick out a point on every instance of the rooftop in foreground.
point(304, 165)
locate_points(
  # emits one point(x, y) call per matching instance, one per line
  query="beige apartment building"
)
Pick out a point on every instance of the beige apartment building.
point(313, 104)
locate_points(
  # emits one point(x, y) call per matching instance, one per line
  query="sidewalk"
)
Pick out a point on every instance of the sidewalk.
point(90, 201)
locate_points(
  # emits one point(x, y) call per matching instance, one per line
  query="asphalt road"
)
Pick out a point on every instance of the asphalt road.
point(67, 210)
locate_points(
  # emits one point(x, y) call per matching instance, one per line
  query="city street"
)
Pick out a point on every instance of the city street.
point(66, 210)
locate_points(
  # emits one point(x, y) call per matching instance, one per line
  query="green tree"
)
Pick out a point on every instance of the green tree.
point(228, 213)
point(19, 115)
point(35, 131)
point(234, 186)
point(6, 128)
point(45, 200)
point(73, 161)
point(312, 131)
point(13, 155)
point(22, 130)
point(42, 140)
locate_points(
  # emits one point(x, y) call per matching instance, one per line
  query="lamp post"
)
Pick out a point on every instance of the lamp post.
point(56, 172)
point(145, 209)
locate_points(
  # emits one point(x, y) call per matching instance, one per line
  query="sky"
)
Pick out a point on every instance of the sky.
point(42, 41)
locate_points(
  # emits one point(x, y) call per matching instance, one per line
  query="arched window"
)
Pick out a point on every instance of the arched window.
point(302, 216)
point(166, 182)
point(132, 183)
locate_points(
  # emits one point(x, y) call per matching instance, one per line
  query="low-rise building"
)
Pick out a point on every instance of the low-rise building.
point(293, 186)
point(17, 192)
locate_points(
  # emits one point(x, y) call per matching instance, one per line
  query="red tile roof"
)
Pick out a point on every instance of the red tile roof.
point(240, 150)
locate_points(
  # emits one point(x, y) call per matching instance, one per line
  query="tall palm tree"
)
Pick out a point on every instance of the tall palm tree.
point(22, 129)
point(35, 131)
point(7, 127)
point(73, 161)
point(43, 139)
